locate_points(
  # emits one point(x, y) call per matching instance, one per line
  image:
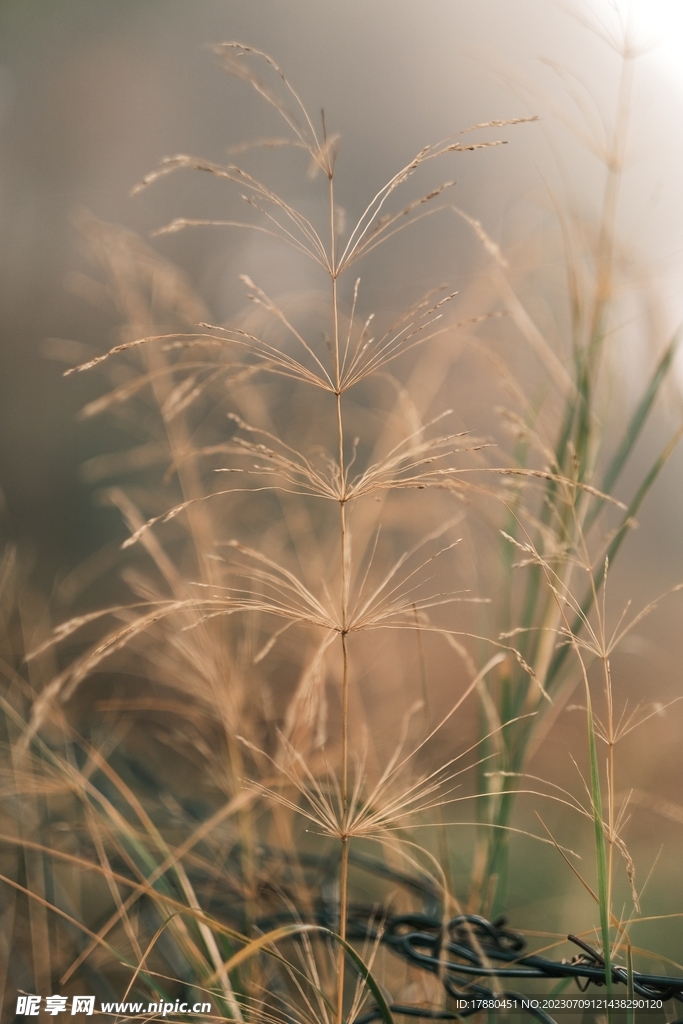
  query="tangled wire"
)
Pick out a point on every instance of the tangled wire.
point(469, 953)
point(469, 949)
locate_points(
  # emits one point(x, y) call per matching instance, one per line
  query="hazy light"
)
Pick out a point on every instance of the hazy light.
point(659, 23)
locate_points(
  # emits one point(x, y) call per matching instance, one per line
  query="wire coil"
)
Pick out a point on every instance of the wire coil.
point(469, 954)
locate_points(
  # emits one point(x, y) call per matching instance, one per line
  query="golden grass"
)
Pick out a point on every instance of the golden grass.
point(295, 498)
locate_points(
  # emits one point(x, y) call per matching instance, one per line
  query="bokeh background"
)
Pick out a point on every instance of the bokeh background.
point(94, 93)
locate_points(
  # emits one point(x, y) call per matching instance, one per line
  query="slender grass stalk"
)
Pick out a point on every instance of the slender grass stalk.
point(349, 368)
point(565, 514)
point(201, 637)
point(603, 862)
point(344, 603)
point(630, 992)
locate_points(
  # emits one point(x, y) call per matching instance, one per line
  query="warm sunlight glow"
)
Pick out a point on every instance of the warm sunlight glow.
point(659, 23)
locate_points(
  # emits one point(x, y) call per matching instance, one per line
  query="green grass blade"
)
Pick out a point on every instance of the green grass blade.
point(617, 541)
point(367, 976)
point(636, 425)
point(641, 494)
point(641, 414)
point(264, 941)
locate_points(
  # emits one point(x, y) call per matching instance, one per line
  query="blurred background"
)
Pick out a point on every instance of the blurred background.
point(93, 94)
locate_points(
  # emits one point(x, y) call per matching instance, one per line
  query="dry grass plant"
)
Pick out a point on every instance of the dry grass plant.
point(319, 503)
